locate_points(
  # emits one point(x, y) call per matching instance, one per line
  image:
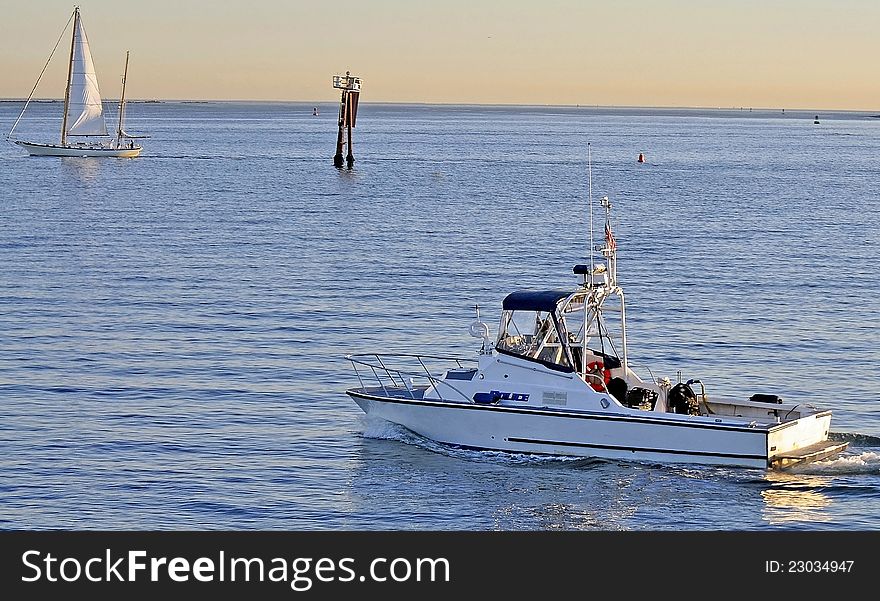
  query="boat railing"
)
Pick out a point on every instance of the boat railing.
point(596, 380)
point(392, 379)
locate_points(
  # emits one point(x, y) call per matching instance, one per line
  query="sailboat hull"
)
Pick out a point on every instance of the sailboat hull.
point(57, 150)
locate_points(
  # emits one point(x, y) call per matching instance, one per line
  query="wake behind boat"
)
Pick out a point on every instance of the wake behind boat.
point(557, 381)
point(83, 114)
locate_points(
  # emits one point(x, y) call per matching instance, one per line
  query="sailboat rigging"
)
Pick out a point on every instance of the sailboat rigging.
point(83, 114)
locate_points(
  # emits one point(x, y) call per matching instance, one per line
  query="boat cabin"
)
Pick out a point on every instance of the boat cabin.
point(561, 330)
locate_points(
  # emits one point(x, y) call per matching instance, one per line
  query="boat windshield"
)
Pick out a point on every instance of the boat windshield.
point(535, 335)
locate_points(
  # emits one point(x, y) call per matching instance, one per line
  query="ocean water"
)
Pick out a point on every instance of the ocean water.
point(172, 328)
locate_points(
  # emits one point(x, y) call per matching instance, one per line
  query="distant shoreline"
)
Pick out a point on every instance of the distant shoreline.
point(872, 113)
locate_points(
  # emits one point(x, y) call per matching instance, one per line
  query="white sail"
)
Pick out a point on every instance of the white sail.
point(85, 114)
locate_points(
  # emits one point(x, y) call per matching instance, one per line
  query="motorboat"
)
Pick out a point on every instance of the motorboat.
point(557, 380)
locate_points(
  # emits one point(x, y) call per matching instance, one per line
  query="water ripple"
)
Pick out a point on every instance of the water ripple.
point(173, 327)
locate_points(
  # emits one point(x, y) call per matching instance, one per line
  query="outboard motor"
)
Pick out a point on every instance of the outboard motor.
point(682, 399)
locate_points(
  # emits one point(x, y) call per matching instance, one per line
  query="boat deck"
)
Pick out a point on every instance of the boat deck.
point(394, 392)
point(815, 452)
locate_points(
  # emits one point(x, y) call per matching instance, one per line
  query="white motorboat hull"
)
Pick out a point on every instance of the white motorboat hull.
point(57, 150)
point(557, 381)
point(660, 439)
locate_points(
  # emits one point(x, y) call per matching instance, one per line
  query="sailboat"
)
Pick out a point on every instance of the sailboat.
point(83, 115)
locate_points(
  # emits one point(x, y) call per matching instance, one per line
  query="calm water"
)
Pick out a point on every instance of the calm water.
point(172, 328)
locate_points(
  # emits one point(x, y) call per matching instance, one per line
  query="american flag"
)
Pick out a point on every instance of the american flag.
point(610, 242)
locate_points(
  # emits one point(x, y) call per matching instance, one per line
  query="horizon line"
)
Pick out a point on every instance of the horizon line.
point(475, 104)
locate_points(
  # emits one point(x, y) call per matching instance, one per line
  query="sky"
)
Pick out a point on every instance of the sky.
point(711, 53)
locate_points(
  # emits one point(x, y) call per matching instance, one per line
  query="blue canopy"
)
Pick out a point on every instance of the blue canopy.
point(541, 300)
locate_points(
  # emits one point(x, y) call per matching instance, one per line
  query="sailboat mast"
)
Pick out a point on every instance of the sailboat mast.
point(69, 77)
point(122, 101)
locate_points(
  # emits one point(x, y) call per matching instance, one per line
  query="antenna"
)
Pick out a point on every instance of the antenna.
point(590, 177)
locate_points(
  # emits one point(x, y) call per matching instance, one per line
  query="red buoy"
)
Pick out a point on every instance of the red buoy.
point(641, 158)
